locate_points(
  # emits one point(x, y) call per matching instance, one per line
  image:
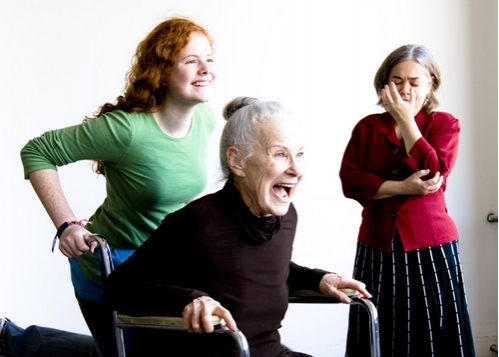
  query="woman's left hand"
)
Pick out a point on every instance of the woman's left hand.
point(400, 109)
point(331, 283)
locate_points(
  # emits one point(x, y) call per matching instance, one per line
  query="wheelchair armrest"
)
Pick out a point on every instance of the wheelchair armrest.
point(314, 297)
point(159, 321)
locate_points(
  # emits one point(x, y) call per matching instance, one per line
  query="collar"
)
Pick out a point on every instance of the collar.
point(257, 229)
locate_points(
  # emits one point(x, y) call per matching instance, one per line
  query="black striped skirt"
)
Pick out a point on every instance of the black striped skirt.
point(421, 302)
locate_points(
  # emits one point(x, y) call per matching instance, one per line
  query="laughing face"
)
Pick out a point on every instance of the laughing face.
point(192, 76)
point(268, 179)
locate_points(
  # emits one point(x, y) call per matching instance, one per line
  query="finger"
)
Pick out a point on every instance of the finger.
point(388, 92)
point(187, 318)
point(422, 173)
point(412, 96)
point(394, 94)
point(342, 297)
point(68, 247)
point(206, 322)
point(227, 316)
point(384, 98)
point(81, 244)
point(196, 323)
point(91, 243)
point(362, 290)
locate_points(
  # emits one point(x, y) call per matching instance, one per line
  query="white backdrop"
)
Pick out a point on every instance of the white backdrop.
point(61, 60)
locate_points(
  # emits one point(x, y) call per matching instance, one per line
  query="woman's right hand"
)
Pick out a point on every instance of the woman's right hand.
point(197, 315)
point(414, 185)
point(73, 243)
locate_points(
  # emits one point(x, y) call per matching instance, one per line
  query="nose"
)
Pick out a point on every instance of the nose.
point(205, 67)
point(405, 87)
point(296, 167)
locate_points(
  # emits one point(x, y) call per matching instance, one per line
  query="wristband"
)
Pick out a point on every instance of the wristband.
point(65, 225)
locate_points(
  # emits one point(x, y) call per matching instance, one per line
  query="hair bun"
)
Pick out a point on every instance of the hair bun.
point(236, 104)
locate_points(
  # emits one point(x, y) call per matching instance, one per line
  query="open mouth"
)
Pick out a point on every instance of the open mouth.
point(283, 190)
point(201, 84)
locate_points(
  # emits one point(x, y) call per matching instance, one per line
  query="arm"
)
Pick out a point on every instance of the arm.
point(403, 113)
point(48, 188)
point(435, 146)
point(413, 185)
point(431, 160)
point(322, 281)
point(103, 138)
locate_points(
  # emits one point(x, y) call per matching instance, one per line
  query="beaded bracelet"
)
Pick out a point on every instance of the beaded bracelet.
point(65, 225)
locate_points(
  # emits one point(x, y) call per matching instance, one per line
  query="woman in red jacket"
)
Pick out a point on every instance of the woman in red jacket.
point(396, 165)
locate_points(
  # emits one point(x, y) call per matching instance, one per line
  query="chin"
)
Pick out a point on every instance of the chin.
point(280, 211)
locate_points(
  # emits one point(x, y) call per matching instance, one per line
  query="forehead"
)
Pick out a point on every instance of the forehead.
point(410, 69)
point(279, 133)
point(197, 42)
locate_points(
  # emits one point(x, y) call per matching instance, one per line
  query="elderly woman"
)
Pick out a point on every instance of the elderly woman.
point(229, 253)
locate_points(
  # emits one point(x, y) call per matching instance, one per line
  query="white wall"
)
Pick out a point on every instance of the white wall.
point(60, 60)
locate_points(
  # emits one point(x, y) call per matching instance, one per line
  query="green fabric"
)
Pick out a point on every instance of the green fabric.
point(148, 173)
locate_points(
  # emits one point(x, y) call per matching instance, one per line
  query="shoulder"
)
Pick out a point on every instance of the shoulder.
point(373, 122)
point(204, 115)
point(375, 118)
point(119, 117)
point(442, 120)
point(443, 116)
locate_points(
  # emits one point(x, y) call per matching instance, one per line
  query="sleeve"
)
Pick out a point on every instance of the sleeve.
point(106, 138)
point(357, 184)
point(437, 149)
point(152, 281)
point(302, 278)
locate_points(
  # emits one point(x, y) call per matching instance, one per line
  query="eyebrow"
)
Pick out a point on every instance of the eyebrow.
point(283, 147)
point(410, 78)
point(197, 55)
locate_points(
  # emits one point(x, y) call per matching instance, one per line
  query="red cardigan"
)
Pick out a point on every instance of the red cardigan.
point(374, 155)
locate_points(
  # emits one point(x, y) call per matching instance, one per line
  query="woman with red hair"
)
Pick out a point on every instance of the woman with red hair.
point(151, 145)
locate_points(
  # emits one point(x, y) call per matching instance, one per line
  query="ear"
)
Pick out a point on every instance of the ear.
point(234, 161)
point(430, 84)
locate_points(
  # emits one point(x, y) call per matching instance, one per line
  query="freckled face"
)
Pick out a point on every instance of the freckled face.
point(410, 74)
point(273, 172)
point(193, 74)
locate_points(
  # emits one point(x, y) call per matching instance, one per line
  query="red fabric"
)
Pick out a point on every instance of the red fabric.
point(375, 155)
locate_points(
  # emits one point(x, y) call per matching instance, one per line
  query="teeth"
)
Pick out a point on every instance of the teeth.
point(201, 84)
point(285, 185)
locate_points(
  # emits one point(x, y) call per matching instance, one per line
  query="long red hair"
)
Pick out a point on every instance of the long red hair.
point(145, 88)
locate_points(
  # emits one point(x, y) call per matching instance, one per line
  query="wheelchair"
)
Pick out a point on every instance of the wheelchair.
point(122, 321)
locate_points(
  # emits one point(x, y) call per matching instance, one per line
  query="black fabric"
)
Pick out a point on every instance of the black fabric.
point(420, 297)
point(258, 229)
point(214, 247)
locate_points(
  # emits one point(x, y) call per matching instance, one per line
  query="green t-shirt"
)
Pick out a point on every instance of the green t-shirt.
point(148, 173)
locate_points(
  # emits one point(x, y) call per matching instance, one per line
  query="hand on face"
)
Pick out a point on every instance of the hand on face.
point(399, 108)
point(408, 86)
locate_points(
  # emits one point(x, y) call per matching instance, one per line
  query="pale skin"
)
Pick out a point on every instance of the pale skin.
point(277, 159)
point(403, 97)
point(190, 84)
